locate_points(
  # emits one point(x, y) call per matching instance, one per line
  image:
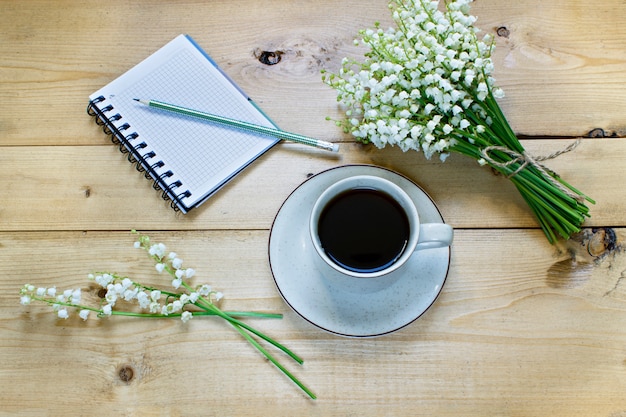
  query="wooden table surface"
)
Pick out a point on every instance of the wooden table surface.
point(521, 328)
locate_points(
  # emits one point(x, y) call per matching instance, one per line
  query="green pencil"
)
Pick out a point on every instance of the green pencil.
point(250, 127)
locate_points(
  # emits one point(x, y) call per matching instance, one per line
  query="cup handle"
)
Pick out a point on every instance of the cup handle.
point(434, 235)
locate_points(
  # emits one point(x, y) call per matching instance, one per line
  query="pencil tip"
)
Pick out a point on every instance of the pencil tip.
point(136, 99)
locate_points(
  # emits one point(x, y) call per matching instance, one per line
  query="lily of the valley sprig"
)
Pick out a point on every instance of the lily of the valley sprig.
point(123, 296)
point(427, 85)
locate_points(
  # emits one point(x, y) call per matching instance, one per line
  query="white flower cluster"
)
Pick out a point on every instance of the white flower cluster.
point(422, 85)
point(59, 302)
point(154, 301)
point(172, 263)
point(123, 288)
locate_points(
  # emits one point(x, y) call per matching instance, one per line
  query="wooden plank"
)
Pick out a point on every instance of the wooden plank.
point(558, 80)
point(95, 188)
point(540, 333)
point(557, 62)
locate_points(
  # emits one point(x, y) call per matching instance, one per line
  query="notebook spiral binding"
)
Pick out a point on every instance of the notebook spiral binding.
point(127, 145)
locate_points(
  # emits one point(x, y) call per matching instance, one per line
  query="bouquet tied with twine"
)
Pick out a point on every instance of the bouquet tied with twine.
point(426, 85)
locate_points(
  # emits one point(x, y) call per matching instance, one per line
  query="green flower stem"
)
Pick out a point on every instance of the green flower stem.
point(243, 328)
point(274, 361)
point(554, 209)
point(204, 312)
point(211, 307)
point(551, 206)
point(64, 304)
point(548, 214)
point(253, 314)
point(230, 313)
point(541, 217)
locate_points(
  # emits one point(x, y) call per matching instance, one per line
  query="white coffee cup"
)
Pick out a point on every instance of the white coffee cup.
point(418, 236)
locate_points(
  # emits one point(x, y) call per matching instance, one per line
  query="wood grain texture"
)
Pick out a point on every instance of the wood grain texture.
point(95, 188)
point(562, 55)
point(522, 328)
point(539, 334)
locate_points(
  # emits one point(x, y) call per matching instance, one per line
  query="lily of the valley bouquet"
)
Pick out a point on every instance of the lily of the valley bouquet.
point(427, 85)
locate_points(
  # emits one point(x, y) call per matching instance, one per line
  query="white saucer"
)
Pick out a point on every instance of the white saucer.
point(331, 307)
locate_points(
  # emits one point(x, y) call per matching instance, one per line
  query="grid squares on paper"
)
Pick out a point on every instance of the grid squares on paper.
point(199, 153)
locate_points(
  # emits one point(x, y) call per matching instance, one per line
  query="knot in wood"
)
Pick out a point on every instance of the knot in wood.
point(503, 32)
point(603, 240)
point(596, 133)
point(126, 373)
point(270, 57)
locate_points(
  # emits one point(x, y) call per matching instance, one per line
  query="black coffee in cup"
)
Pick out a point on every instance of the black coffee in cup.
point(363, 230)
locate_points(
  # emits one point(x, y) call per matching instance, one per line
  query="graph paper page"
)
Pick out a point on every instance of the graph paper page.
point(198, 154)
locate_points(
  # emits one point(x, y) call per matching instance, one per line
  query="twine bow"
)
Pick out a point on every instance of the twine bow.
point(525, 159)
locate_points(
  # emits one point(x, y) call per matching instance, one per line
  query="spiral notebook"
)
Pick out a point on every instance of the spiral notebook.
point(187, 159)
